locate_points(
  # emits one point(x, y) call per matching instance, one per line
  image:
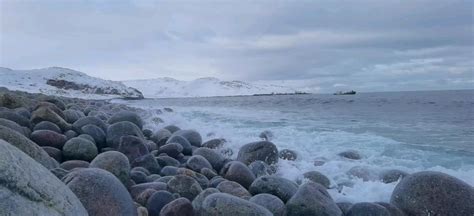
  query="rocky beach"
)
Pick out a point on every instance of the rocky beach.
point(64, 156)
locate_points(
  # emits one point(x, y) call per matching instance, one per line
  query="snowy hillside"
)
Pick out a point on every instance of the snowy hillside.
point(64, 82)
point(207, 87)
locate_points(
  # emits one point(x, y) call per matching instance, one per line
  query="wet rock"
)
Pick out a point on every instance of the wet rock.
point(72, 164)
point(127, 116)
point(201, 179)
point(23, 193)
point(12, 101)
point(216, 181)
point(57, 102)
point(59, 172)
point(48, 138)
point(215, 159)
point(311, 199)
point(433, 193)
point(143, 197)
point(187, 148)
point(120, 129)
point(70, 134)
point(197, 162)
point(27, 146)
point(199, 199)
point(209, 173)
point(214, 143)
point(168, 171)
point(192, 136)
point(389, 176)
point(89, 120)
point(185, 186)
point(393, 210)
point(46, 125)
point(114, 162)
point(262, 150)
point(317, 177)
point(164, 179)
point(138, 177)
point(167, 161)
point(280, 187)
point(344, 206)
point(87, 137)
point(157, 201)
point(362, 172)
point(259, 168)
point(147, 133)
point(46, 114)
point(266, 135)
point(350, 154)
point(91, 185)
point(152, 177)
point(72, 115)
point(23, 111)
point(172, 149)
point(79, 149)
point(161, 136)
point(178, 207)
point(16, 127)
point(137, 189)
point(234, 188)
point(50, 106)
point(96, 133)
point(172, 128)
point(167, 109)
point(270, 202)
point(15, 117)
point(147, 161)
point(222, 204)
point(238, 172)
point(367, 209)
point(133, 147)
point(54, 153)
point(287, 154)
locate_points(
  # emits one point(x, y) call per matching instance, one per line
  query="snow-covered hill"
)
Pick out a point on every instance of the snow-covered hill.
point(207, 87)
point(64, 82)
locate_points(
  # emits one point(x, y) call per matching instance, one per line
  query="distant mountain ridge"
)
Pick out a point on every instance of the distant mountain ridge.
point(64, 82)
point(204, 87)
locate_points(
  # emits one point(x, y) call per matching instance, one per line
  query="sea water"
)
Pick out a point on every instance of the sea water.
point(409, 131)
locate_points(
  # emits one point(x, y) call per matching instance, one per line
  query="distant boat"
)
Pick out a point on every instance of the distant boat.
point(345, 93)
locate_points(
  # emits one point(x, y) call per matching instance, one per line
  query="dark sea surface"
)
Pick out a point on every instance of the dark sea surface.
point(410, 131)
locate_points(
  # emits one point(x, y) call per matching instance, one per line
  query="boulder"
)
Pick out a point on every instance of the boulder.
point(88, 120)
point(278, 186)
point(96, 133)
point(433, 193)
point(70, 134)
point(46, 125)
point(100, 192)
point(317, 177)
point(367, 209)
point(393, 210)
point(73, 164)
point(24, 193)
point(238, 172)
point(312, 199)
point(287, 154)
point(120, 129)
point(393, 175)
point(172, 128)
point(363, 172)
point(187, 148)
point(350, 154)
point(178, 207)
point(115, 162)
point(46, 114)
point(133, 147)
point(262, 150)
point(199, 199)
point(137, 189)
point(27, 146)
point(233, 188)
point(143, 197)
point(54, 153)
point(270, 202)
point(127, 116)
point(222, 204)
point(48, 138)
point(79, 149)
point(209, 173)
point(148, 162)
point(215, 159)
point(51, 106)
point(200, 178)
point(167, 161)
point(157, 201)
point(344, 206)
point(15, 126)
point(172, 149)
point(15, 117)
point(259, 168)
point(192, 136)
point(185, 186)
point(214, 143)
point(72, 115)
point(161, 136)
point(197, 162)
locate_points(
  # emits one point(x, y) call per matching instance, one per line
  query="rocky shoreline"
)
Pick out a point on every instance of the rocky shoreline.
point(64, 156)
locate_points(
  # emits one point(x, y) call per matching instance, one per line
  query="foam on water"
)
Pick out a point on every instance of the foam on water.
point(313, 139)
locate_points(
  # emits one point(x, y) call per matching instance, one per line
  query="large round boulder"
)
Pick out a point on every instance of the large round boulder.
point(192, 136)
point(79, 149)
point(157, 201)
point(185, 186)
point(317, 177)
point(133, 147)
point(96, 133)
point(120, 129)
point(199, 199)
point(15, 126)
point(161, 136)
point(262, 150)
point(433, 193)
point(214, 143)
point(44, 113)
point(233, 188)
point(127, 116)
point(214, 158)
point(15, 117)
point(278, 186)
point(187, 147)
point(180, 206)
point(367, 209)
point(312, 199)
point(198, 162)
point(48, 138)
point(72, 115)
point(270, 202)
point(28, 188)
point(28, 147)
point(115, 162)
point(238, 172)
point(88, 120)
point(46, 125)
point(222, 204)
point(100, 192)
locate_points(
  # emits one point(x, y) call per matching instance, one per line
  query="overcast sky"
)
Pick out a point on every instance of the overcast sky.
point(362, 45)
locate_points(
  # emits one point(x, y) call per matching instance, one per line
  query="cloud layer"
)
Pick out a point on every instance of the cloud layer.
point(363, 45)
